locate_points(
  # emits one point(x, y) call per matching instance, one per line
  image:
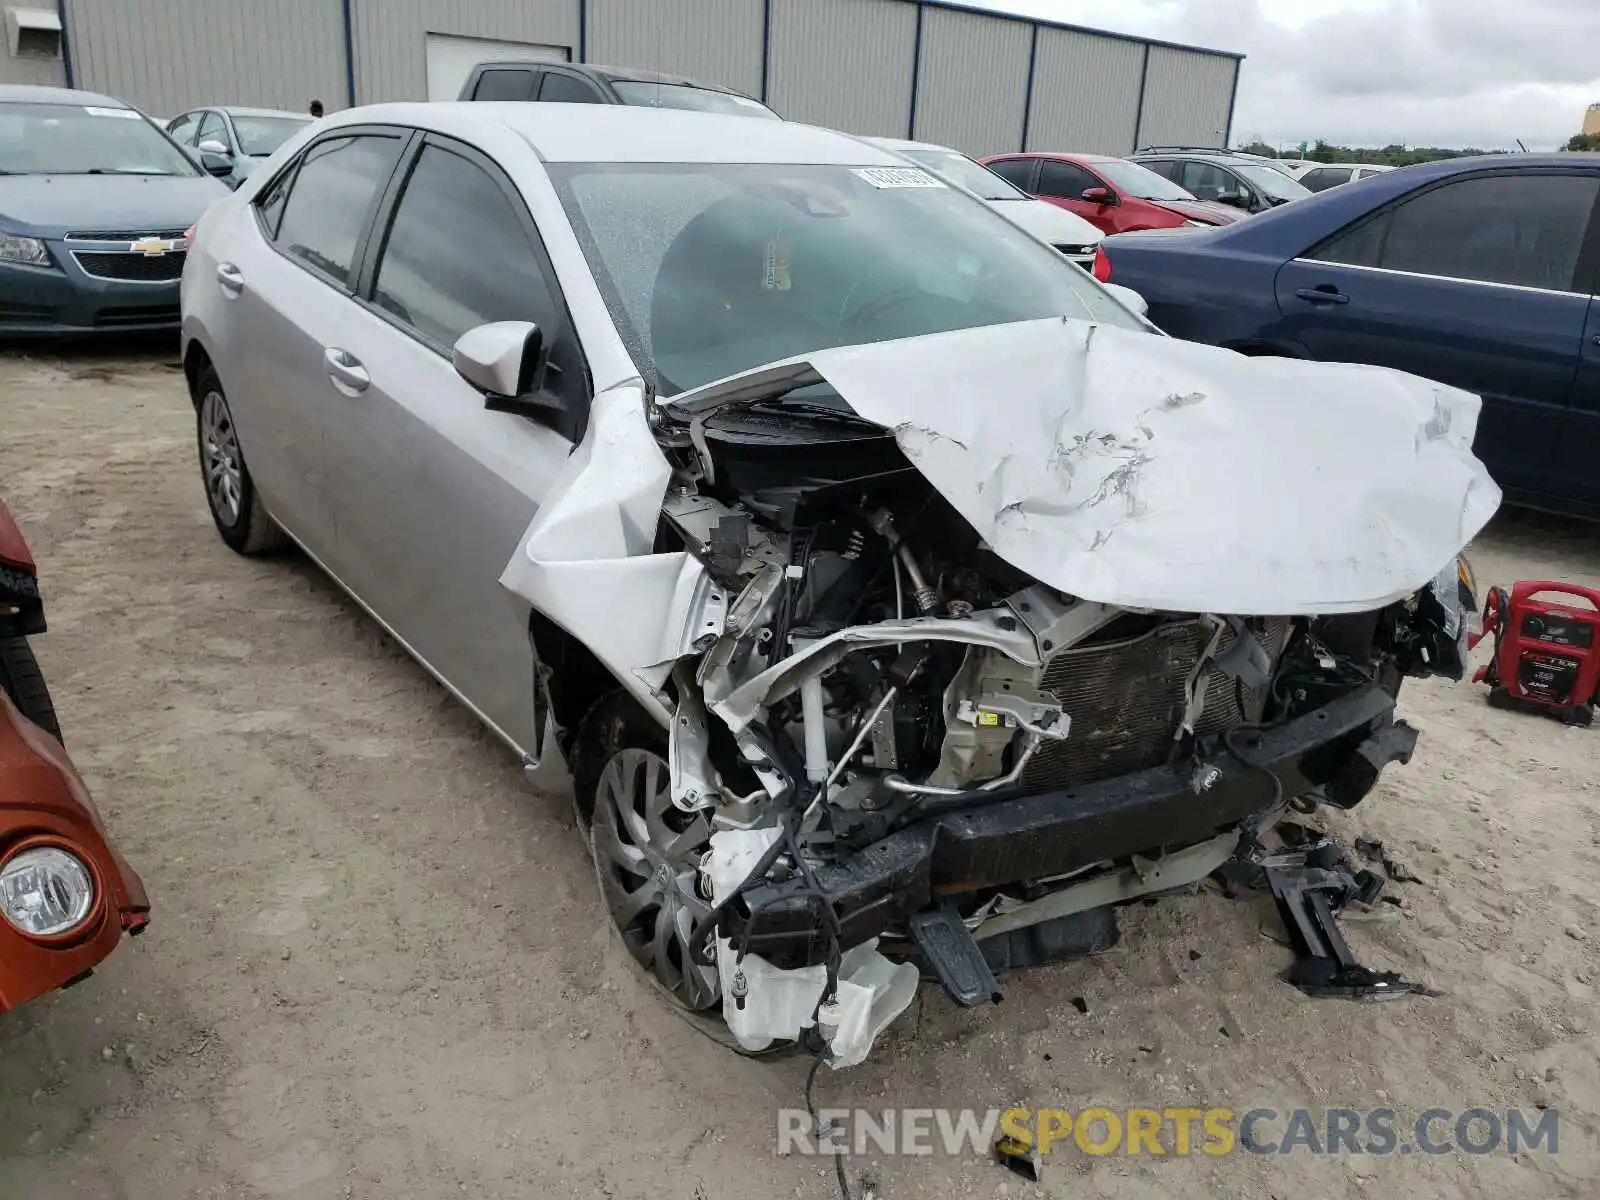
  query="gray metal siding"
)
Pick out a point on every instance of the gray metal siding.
point(717, 41)
point(1186, 98)
point(1085, 93)
point(391, 36)
point(972, 81)
point(845, 64)
point(31, 72)
point(166, 56)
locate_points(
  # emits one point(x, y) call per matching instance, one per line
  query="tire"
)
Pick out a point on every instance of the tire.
point(230, 492)
point(646, 851)
point(23, 682)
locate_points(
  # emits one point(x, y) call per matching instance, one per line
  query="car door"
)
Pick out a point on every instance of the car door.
point(1063, 184)
point(287, 276)
point(433, 491)
point(1472, 282)
point(1577, 459)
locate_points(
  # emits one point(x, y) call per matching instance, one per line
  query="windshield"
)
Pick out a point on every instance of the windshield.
point(963, 172)
point(1274, 183)
point(261, 136)
point(74, 139)
point(1139, 181)
point(710, 269)
point(697, 99)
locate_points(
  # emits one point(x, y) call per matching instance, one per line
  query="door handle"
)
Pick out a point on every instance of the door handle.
point(1326, 294)
point(349, 377)
point(231, 278)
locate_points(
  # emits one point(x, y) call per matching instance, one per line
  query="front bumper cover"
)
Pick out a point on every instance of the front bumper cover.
point(1030, 837)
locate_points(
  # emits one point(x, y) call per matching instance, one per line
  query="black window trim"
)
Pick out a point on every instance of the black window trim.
point(1586, 275)
point(373, 243)
point(406, 137)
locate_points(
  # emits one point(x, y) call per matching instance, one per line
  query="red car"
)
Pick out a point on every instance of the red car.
point(66, 895)
point(1112, 194)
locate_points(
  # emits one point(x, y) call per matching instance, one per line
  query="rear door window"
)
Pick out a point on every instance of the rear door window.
point(1526, 229)
point(506, 84)
point(1018, 171)
point(331, 201)
point(1064, 180)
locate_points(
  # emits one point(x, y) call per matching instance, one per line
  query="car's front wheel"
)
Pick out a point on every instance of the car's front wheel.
point(230, 492)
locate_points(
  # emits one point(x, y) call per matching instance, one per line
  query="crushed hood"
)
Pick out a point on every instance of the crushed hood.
point(1145, 472)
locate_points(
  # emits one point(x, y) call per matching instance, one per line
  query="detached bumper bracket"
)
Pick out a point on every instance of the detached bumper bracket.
point(952, 954)
point(1323, 965)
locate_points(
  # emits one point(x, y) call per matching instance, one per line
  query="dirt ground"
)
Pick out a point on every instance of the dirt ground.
point(378, 968)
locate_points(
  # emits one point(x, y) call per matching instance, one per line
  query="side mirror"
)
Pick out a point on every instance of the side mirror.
point(1129, 299)
point(216, 164)
point(505, 360)
point(1099, 195)
point(1234, 200)
point(212, 146)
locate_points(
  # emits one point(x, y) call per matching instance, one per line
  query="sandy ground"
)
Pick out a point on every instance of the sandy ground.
point(378, 968)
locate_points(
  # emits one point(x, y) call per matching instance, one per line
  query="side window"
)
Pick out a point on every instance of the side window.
point(1018, 171)
point(184, 128)
point(561, 88)
point(269, 204)
point(331, 197)
point(443, 281)
point(1522, 229)
point(1360, 246)
point(1207, 180)
point(1064, 179)
point(212, 129)
point(509, 84)
point(1163, 167)
point(1324, 178)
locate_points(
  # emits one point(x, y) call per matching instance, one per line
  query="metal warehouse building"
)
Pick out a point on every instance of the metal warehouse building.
point(935, 71)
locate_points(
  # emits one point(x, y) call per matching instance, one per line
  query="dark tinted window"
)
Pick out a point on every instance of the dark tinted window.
point(457, 255)
point(560, 88)
point(1063, 179)
point(1164, 167)
point(1358, 247)
point(1018, 170)
point(328, 203)
point(1325, 177)
point(1522, 229)
point(269, 203)
point(505, 85)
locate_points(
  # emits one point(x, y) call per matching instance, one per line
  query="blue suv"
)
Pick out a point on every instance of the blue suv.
point(1477, 272)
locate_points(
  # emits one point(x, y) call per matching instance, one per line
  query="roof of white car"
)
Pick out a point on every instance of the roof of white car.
point(625, 133)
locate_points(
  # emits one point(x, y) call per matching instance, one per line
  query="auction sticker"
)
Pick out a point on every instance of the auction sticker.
point(897, 177)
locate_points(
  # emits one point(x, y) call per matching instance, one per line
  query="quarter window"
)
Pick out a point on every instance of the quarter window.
point(1521, 229)
point(330, 199)
point(1064, 180)
point(458, 256)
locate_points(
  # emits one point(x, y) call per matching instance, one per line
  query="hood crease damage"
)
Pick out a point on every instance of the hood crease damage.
point(968, 571)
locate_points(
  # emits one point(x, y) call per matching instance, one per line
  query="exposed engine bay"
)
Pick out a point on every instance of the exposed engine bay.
point(892, 751)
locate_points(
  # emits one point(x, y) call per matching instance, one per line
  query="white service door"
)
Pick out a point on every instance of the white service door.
point(451, 59)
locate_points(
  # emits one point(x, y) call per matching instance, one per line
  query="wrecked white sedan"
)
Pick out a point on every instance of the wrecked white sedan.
point(901, 602)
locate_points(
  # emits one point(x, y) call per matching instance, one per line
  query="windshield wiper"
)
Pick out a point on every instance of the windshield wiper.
point(121, 171)
point(825, 411)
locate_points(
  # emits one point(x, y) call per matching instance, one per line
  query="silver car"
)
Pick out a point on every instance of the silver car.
point(233, 141)
point(890, 590)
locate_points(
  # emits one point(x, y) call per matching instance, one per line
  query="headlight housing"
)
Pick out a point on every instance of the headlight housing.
point(46, 891)
point(29, 251)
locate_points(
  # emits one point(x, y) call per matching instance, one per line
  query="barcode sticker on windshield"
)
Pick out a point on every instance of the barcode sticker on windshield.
point(126, 113)
point(897, 177)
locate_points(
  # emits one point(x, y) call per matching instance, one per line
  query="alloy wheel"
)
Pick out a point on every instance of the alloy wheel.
point(219, 452)
point(647, 852)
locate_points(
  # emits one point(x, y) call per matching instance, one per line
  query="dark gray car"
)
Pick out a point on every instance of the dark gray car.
point(94, 202)
point(242, 137)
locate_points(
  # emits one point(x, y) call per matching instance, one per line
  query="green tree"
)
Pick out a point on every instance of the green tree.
point(1585, 141)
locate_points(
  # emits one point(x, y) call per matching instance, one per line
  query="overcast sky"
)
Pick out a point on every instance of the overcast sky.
point(1371, 72)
